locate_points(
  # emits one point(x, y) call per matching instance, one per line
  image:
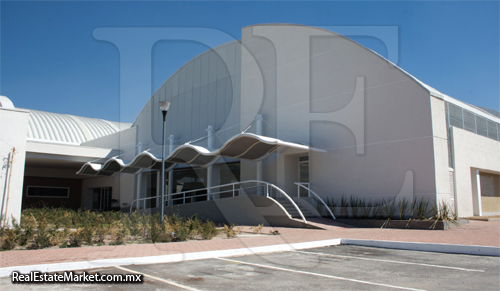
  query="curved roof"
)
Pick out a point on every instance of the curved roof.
point(247, 146)
point(69, 129)
point(6, 103)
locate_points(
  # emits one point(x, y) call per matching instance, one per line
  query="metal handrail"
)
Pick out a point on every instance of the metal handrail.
point(233, 190)
point(320, 199)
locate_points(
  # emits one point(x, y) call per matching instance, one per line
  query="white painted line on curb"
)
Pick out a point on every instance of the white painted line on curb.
point(389, 261)
point(56, 267)
point(319, 275)
point(159, 279)
point(427, 247)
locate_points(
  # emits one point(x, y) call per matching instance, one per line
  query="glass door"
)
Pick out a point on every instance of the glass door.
point(101, 198)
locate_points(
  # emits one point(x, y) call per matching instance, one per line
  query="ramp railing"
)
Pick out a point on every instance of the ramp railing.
point(220, 192)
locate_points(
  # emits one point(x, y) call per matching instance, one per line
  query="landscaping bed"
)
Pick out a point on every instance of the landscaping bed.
point(404, 224)
point(64, 228)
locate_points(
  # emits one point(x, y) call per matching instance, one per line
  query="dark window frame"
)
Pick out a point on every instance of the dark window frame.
point(50, 187)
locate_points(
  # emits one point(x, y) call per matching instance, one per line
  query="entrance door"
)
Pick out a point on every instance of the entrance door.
point(101, 198)
point(304, 175)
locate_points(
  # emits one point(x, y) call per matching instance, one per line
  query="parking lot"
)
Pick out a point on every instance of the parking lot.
point(342, 267)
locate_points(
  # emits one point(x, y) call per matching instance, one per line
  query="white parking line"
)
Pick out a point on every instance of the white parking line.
point(319, 275)
point(159, 279)
point(389, 261)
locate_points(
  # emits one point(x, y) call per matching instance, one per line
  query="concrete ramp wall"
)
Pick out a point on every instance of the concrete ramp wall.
point(241, 210)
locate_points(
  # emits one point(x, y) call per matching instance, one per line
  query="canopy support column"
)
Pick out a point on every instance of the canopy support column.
point(259, 164)
point(171, 172)
point(210, 132)
point(139, 176)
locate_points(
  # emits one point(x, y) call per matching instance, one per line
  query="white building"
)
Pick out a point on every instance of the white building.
point(315, 107)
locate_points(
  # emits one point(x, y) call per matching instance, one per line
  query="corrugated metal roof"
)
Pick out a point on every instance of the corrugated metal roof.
point(69, 129)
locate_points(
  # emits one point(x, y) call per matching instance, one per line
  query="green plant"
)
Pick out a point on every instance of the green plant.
point(274, 232)
point(365, 208)
point(75, 239)
point(444, 213)
point(8, 239)
point(388, 210)
point(422, 208)
point(88, 233)
point(231, 230)
point(377, 209)
point(319, 206)
point(42, 239)
point(209, 230)
point(354, 204)
point(403, 206)
point(343, 207)
point(332, 204)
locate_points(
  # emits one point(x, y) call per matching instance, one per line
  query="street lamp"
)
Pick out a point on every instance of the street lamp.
point(164, 105)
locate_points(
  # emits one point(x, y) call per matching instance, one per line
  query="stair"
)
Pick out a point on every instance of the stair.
point(292, 210)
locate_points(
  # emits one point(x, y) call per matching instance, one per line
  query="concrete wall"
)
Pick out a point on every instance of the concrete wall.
point(124, 185)
point(440, 149)
point(472, 152)
point(324, 90)
point(241, 210)
point(14, 128)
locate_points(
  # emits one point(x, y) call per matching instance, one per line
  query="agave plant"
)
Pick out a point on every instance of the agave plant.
point(354, 204)
point(422, 208)
point(388, 210)
point(343, 207)
point(365, 208)
point(403, 206)
point(332, 204)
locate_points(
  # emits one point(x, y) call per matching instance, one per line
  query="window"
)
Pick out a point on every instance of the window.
point(47, 192)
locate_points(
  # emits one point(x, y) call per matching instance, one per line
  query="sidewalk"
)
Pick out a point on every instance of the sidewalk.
point(475, 233)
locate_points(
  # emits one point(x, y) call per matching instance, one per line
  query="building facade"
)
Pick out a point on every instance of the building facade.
point(287, 104)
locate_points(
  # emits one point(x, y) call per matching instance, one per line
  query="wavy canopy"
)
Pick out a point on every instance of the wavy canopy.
point(247, 146)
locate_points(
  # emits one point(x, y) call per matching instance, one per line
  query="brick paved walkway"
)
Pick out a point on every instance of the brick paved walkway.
point(474, 233)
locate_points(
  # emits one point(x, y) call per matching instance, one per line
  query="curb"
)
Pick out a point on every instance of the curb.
point(413, 246)
point(427, 247)
point(56, 267)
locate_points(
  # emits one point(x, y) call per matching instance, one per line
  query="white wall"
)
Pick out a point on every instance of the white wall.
point(327, 91)
point(123, 184)
point(440, 145)
point(471, 152)
point(13, 131)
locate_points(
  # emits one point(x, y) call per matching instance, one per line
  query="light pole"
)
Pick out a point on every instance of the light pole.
point(164, 105)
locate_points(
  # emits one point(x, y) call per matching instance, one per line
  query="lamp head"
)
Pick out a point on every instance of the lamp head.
point(164, 105)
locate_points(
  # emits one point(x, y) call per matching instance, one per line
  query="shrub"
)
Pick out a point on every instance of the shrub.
point(209, 230)
point(257, 229)
point(231, 231)
point(8, 239)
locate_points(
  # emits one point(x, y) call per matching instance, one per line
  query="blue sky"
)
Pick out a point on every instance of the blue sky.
point(50, 60)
